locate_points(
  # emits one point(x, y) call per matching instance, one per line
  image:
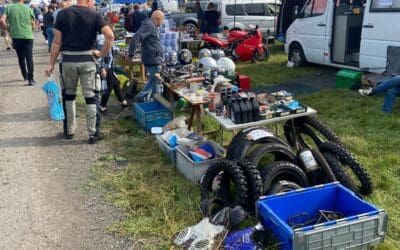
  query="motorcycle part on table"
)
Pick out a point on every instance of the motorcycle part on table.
point(204, 53)
point(227, 64)
point(185, 56)
point(171, 58)
point(217, 54)
point(206, 64)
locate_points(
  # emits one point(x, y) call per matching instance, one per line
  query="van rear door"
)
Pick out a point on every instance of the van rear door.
point(380, 29)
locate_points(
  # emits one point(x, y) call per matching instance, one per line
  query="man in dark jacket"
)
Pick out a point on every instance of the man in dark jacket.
point(137, 18)
point(148, 37)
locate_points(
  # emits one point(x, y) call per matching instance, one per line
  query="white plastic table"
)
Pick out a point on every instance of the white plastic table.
point(226, 123)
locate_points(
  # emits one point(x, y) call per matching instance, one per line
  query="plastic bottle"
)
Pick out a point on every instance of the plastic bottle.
point(308, 161)
point(256, 109)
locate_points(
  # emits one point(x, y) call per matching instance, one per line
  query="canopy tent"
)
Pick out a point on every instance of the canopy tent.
point(129, 1)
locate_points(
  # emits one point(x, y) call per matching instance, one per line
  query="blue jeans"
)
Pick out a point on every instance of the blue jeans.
point(151, 85)
point(392, 88)
point(50, 36)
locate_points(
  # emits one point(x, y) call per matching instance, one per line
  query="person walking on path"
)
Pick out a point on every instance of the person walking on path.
point(4, 33)
point(48, 23)
point(107, 71)
point(21, 21)
point(148, 37)
point(78, 59)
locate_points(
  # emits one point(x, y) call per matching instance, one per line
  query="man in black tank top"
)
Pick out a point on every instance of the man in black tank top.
point(75, 33)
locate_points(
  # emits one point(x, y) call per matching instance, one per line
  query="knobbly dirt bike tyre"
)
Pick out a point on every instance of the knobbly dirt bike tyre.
point(229, 173)
point(324, 165)
point(254, 183)
point(346, 159)
point(339, 171)
point(307, 125)
point(283, 170)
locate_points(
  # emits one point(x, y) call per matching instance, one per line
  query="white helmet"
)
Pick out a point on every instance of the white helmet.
point(204, 53)
point(217, 54)
point(206, 64)
point(227, 64)
point(171, 58)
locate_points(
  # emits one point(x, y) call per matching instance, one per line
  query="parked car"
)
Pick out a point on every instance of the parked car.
point(236, 15)
point(343, 35)
point(239, 15)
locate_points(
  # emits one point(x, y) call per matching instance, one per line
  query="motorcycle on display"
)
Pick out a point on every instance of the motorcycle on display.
point(240, 45)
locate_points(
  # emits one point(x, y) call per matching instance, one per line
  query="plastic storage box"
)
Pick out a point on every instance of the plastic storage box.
point(169, 151)
point(151, 114)
point(193, 171)
point(363, 224)
point(347, 79)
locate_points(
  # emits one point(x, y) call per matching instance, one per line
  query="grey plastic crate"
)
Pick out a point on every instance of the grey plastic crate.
point(167, 150)
point(193, 171)
point(362, 233)
point(363, 225)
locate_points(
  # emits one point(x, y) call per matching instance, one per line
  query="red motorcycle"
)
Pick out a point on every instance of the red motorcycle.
point(240, 45)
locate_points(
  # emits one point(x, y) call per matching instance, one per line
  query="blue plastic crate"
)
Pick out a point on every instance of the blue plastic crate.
point(151, 114)
point(363, 224)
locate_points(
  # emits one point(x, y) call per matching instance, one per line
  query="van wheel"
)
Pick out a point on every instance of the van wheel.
point(296, 55)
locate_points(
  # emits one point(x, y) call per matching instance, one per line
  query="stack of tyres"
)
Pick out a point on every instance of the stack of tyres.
point(233, 182)
point(271, 155)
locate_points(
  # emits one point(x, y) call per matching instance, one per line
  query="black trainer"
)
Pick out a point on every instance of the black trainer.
point(69, 136)
point(92, 139)
point(31, 82)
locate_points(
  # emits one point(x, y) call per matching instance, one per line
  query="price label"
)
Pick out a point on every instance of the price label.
point(258, 134)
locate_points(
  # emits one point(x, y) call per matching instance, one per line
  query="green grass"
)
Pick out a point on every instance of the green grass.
point(275, 71)
point(158, 202)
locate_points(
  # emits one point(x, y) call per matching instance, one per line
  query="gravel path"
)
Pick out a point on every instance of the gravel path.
point(41, 205)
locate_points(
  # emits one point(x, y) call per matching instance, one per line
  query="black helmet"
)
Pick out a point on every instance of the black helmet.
point(185, 56)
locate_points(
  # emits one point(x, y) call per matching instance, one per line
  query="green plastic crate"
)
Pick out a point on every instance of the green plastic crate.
point(347, 79)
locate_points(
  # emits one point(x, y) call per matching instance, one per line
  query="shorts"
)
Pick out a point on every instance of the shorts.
point(3, 32)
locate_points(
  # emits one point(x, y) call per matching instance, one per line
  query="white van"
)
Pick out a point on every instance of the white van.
point(237, 14)
point(341, 34)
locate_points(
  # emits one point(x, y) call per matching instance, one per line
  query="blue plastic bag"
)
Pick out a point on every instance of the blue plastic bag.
point(53, 97)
